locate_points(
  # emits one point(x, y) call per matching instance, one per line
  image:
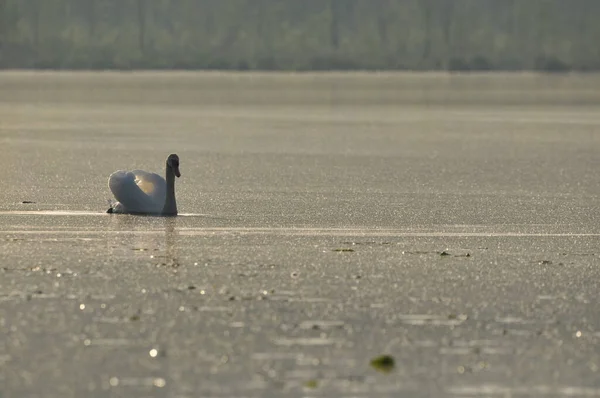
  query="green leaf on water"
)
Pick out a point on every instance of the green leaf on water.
point(311, 384)
point(383, 363)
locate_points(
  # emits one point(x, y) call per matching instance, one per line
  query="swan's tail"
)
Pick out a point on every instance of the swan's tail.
point(115, 207)
point(111, 206)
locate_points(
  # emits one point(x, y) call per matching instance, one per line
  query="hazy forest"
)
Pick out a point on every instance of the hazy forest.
point(549, 35)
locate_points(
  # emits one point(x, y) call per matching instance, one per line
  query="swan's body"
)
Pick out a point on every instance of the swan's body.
point(140, 192)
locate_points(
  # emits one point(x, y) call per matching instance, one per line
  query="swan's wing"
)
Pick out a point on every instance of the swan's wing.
point(152, 184)
point(124, 186)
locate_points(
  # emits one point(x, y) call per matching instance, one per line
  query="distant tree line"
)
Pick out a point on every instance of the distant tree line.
point(552, 35)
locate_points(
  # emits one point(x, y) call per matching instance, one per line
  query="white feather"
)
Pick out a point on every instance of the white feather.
point(137, 191)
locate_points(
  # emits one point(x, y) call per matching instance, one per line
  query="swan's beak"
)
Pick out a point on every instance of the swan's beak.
point(176, 172)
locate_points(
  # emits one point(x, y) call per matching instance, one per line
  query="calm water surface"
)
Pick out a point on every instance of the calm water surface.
point(450, 221)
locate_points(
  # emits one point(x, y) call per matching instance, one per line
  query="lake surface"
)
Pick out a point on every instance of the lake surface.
point(450, 221)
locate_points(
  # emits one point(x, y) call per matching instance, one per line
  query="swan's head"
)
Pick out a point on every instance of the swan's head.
point(173, 164)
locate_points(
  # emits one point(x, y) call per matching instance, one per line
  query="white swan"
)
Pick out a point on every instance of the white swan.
point(140, 192)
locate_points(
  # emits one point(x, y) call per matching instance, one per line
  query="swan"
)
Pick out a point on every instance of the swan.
point(140, 192)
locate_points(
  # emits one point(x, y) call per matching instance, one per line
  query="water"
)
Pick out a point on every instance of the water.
point(448, 221)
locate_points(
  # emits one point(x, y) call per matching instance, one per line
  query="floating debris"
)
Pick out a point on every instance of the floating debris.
point(321, 325)
point(383, 363)
point(28, 202)
point(311, 384)
point(343, 250)
point(444, 253)
point(134, 317)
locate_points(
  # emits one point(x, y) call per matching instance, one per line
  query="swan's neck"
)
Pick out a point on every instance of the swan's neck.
point(170, 208)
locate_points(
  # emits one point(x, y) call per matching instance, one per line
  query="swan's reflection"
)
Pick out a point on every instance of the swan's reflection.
point(124, 236)
point(156, 235)
point(171, 238)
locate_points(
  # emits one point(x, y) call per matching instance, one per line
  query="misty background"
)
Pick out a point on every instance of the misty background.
point(550, 35)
